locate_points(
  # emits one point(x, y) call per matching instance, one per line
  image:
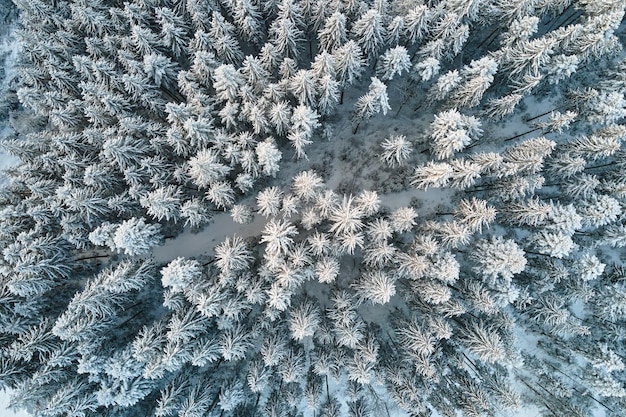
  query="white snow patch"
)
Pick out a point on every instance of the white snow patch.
point(5, 410)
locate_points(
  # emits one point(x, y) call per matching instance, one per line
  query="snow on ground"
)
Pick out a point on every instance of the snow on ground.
point(190, 244)
point(5, 411)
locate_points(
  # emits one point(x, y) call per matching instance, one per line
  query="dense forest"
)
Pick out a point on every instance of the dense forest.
point(317, 208)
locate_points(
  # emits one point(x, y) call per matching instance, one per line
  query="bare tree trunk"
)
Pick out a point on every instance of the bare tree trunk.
point(522, 134)
point(327, 389)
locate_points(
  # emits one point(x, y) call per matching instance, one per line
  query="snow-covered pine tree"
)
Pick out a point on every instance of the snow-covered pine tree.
point(224, 40)
point(478, 77)
point(304, 121)
point(393, 62)
point(369, 32)
point(484, 342)
point(303, 87)
point(227, 82)
point(206, 168)
point(334, 34)
point(163, 203)
point(375, 101)
point(416, 23)
point(475, 214)
point(349, 64)
point(135, 237)
point(278, 236)
point(428, 69)
point(498, 258)
point(286, 33)
point(180, 274)
point(432, 175)
point(328, 89)
point(396, 150)
point(248, 18)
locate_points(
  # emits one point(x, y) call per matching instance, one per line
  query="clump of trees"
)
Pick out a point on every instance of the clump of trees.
point(140, 123)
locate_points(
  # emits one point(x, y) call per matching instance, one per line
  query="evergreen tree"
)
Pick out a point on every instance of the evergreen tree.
point(346, 217)
point(224, 40)
point(163, 203)
point(369, 32)
point(328, 89)
point(475, 214)
point(303, 322)
point(484, 342)
point(303, 87)
point(478, 78)
point(232, 255)
point(268, 156)
point(333, 35)
point(246, 16)
point(428, 69)
point(180, 273)
point(135, 237)
point(227, 82)
point(499, 258)
point(394, 61)
point(348, 63)
point(375, 101)
point(286, 34)
point(206, 168)
point(304, 121)
point(432, 175)
point(221, 194)
point(278, 236)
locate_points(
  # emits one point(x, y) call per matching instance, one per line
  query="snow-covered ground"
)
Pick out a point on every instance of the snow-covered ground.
point(5, 411)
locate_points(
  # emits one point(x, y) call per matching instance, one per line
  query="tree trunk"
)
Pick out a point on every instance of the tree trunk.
point(552, 24)
point(522, 134)
point(327, 389)
point(92, 257)
point(217, 396)
point(610, 164)
point(572, 19)
point(495, 32)
point(539, 395)
point(548, 112)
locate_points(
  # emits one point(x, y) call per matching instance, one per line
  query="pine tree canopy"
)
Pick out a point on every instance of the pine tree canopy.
point(313, 208)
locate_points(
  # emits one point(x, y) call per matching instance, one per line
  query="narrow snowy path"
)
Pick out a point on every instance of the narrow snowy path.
point(5, 411)
point(189, 244)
